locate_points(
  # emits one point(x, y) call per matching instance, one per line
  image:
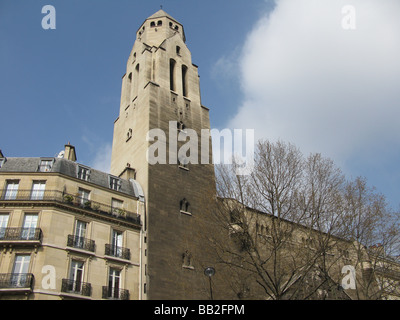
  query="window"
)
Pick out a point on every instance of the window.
point(136, 81)
point(45, 165)
point(187, 260)
point(20, 270)
point(79, 234)
point(3, 224)
point(83, 173)
point(115, 183)
point(11, 190)
point(76, 276)
point(83, 197)
point(178, 50)
point(116, 243)
point(2, 161)
point(129, 135)
point(152, 24)
point(181, 126)
point(159, 23)
point(184, 81)
point(114, 280)
point(184, 206)
point(29, 227)
point(116, 206)
point(38, 188)
point(172, 64)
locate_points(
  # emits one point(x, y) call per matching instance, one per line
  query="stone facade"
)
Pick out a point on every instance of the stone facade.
point(67, 231)
point(161, 89)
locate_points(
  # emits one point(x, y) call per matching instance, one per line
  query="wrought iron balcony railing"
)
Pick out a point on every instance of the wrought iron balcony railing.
point(76, 287)
point(80, 243)
point(118, 252)
point(20, 234)
point(64, 198)
point(115, 293)
point(16, 281)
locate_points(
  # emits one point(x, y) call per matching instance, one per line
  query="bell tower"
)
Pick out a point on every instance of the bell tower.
point(161, 106)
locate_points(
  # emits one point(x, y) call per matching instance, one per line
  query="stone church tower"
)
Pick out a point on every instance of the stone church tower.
point(161, 91)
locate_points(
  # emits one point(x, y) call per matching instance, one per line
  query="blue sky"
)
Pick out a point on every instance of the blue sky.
point(286, 68)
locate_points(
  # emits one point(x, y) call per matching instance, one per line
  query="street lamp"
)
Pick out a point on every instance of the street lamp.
point(209, 272)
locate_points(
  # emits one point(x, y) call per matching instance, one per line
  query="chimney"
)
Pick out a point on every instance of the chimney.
point(69, 152)
point(128, 173)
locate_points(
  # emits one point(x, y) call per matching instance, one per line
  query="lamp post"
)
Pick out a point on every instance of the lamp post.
point(209, 272)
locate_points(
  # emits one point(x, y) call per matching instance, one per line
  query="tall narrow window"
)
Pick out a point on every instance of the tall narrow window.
point(75, 276)
point(83, 196)
point(114, 279)
point(20, 270)
point(172, 64)
point(11, 190)
point(136, 81)
point(184, 81)
point(38, 188)
point(29, 227)
point(80, 233)
point(3, 224)
point(184, 206)
point(116, 243)
point(128, 89)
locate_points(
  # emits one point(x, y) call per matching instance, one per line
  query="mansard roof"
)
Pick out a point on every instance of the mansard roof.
point(70, 168)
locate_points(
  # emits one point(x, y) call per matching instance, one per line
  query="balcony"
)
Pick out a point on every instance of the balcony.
point(117, 252)
point(80, 243)
point(115, 293)
point(68, 201)
point(16, 282)
point(76, 287)
point(21, 236)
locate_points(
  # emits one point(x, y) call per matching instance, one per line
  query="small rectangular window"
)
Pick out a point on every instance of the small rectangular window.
point(45, 165)
point(83, 173)
point(38, 188)
point(115, 183)
point(11, 190)
point(83, 196)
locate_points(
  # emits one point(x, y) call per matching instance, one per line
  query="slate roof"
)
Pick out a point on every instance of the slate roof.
point(70, 168)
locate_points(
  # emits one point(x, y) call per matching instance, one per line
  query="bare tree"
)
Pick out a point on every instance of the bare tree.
point(285, 230)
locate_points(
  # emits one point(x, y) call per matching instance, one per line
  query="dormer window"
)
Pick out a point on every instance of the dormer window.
point(83, 173)
point(45, 165)
point(115, 183)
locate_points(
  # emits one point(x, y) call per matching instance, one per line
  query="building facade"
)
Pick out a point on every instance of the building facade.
point(160, 112)
point(146, 230)
point(68, 231)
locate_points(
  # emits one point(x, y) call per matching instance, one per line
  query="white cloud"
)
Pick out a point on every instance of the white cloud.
point(102, 158)
point(308, 81)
